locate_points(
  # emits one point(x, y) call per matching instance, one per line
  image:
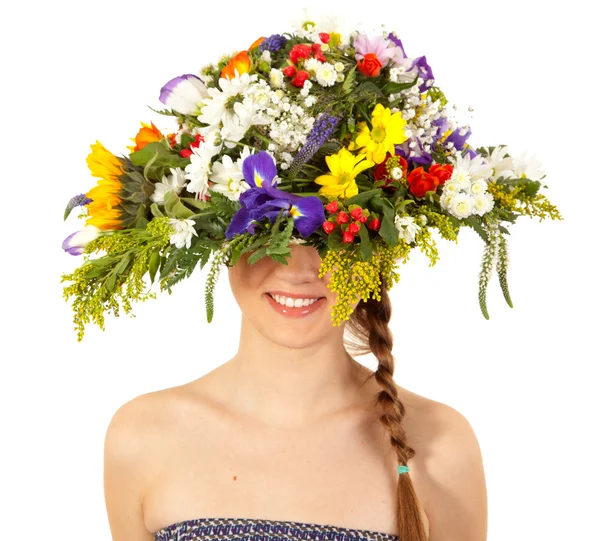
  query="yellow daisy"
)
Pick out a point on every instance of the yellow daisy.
point(104, 210)
point(344, 167)
point(387, 131)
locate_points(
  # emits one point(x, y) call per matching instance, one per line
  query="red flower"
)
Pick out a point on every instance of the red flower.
point(354, 228)
point(370, 65)
point(185, 153)
point(421, 182)
point(332, 206)
point(374, 224)
point(380, 172)
point(300, 78)
point(317, 53)
point(442, 172)
point(328, 226)
point(289, 71)
point(196, 143)
point(324, 37)
point(300, 50)
point(347, 237)
point(343, 218)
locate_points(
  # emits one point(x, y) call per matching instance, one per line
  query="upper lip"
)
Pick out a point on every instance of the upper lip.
point(294, 295)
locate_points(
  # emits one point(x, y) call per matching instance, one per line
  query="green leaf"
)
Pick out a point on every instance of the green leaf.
point(348, 84)
point(473, 222)
point(388, 231)
point(365, 243)
point(175, 208)
point(153, 264)
point(156, 211)
point(363, 198)
point(334, 240)
point(124, 263)
point(110, 282)
point(394, 88)
point(256, 256)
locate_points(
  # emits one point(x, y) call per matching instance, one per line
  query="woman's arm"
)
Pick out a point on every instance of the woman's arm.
point(124, 474)
point(455, 495)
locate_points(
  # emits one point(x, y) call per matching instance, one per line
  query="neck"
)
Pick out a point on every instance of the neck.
point(291, 386)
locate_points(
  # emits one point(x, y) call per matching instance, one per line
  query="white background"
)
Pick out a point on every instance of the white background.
point(79, 72)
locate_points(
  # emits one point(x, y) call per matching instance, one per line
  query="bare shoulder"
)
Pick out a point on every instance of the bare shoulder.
point(132, 441)
point(448, 473)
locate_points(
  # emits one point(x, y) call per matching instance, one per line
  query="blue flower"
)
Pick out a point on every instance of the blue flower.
point(264, 200)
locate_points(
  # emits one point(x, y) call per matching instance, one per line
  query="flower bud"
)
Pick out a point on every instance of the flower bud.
point(343, 218)
point(356, 213)
point(332, 206)
point(328, 226)
point(354, 228)
point(348, 237)
point(374, 224)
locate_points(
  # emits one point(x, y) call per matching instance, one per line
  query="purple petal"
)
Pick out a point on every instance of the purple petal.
point(308, 214)
point(398, 43)
point(259, 168)
point(457, 139)
point(239, 223)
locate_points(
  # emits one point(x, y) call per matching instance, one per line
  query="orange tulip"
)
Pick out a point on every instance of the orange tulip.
point(240, 61)
point(147, 134)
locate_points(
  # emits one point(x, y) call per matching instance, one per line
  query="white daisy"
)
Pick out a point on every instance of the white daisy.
point(184, 229)
point(172, 183)
point(501, 162)
point(326, 74)
point(477, 167)
point(407, 227)
point(527, 167)
point(228, 177)
point(199, 168)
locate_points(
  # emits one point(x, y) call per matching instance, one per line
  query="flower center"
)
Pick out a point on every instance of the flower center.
point(378, 134)
point(232, 100)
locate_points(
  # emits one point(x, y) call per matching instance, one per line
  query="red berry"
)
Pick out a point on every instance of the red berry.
point(343, 218)
point(348, 237)
point(354, 228)
point(324, 37)
point(332, 206)
point(328, 226)
point(374, 224)
point(356, 213)
point(289, 71)
point(363, 219)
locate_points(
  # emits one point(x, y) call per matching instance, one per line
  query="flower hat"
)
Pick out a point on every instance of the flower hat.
point(336, 140)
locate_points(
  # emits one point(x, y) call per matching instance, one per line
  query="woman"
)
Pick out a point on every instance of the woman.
point(292, 436)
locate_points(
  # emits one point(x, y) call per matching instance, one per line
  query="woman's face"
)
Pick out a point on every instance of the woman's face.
point(261, 290)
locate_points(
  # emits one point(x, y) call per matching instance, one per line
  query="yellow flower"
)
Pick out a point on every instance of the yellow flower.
point(387, 131)
point(104, 210)
point(344, 167)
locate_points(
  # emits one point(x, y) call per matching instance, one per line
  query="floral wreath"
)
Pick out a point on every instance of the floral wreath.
point(329, 139)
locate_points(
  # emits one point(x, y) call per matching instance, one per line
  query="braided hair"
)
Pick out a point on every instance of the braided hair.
point(368, 325)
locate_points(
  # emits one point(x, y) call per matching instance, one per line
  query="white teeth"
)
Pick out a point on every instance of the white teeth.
point(293, 303)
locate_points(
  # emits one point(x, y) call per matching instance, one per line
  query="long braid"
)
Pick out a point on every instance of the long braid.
point(369, 323)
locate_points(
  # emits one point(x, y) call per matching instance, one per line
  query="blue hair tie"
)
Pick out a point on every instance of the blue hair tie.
point(402, 469)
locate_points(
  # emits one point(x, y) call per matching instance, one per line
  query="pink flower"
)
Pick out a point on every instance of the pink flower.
point(381, 47)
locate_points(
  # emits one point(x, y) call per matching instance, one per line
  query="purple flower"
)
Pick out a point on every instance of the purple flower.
point(273, 43)
point(457, 139)
point(415, 156)
point(76, 242)
point(76, 201)
point(320, 132)
point(264, 200)
point(183, 93)
point(420, 63)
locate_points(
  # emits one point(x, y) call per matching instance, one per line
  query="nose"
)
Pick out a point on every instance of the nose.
point(303, 265)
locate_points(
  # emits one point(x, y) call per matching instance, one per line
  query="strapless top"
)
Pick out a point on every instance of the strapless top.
point(250, 529)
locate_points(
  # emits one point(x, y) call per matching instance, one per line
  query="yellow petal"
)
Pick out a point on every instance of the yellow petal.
point(326, 180)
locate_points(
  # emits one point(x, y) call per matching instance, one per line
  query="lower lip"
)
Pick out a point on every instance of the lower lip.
point(294, 312)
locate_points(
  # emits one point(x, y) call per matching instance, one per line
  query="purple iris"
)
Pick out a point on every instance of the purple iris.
point(420, 63)
point(264, 200)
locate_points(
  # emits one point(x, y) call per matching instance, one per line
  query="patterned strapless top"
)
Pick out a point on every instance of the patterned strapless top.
point(249, 529)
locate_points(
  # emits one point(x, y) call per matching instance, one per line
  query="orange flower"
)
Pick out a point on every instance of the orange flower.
point(256, 43)
point(370, 65)
point(240, 61)
point(147, 134)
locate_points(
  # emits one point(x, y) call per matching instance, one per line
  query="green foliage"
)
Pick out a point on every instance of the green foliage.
point(156, 158)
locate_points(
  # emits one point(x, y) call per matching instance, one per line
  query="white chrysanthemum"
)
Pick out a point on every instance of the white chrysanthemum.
point(184, 229)
point(228, 177)
point(199, 168)
point(527, 167)
point(326, 74)
point(407, 227)
point(478, 186)
point(312, 65)
point(446, 199)
point(276, 78)
point(172, 183)
point(460, 178)
point(339, 66)
point(501, 162)
point(484, 202)
point(461, 205)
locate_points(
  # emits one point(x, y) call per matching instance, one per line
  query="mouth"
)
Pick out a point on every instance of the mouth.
point(294, 305)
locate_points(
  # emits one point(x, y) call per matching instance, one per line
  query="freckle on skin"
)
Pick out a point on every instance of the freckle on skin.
point(235, 477)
